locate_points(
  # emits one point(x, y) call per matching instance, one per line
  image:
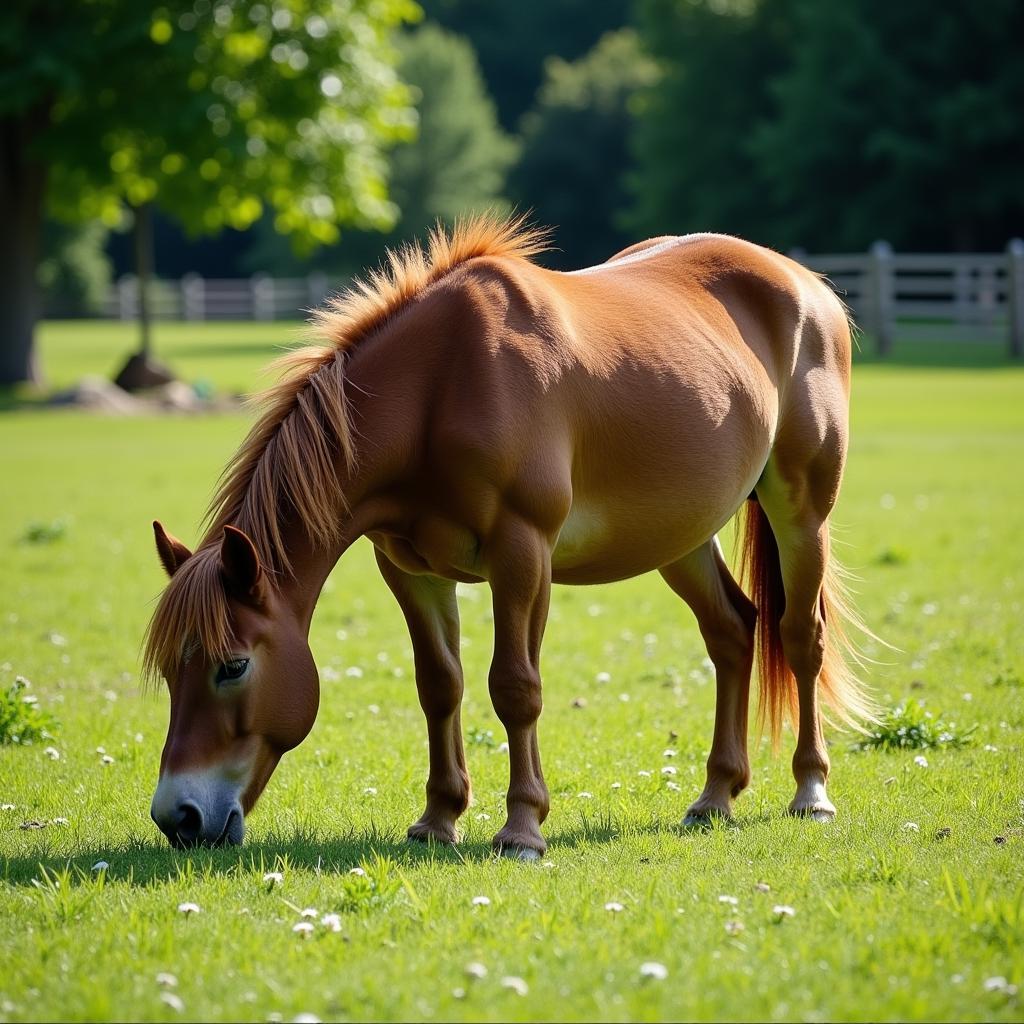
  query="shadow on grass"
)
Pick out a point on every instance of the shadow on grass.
point(143, 862)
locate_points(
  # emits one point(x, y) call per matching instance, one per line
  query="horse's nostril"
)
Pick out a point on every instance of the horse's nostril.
point(190, 823)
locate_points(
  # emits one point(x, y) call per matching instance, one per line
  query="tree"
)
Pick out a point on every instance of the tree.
point(826, 126)
point(513, 40)
point(211, 110)
point(575, 153)
point(695, 166)
point(456, 164)
point(898, 120)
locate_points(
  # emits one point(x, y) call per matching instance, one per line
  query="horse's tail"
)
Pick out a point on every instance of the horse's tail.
point(839, 688)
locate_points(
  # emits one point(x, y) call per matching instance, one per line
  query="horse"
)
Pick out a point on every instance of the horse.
point(481, 418)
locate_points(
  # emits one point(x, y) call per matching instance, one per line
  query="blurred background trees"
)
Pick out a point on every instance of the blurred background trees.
point(311, 134)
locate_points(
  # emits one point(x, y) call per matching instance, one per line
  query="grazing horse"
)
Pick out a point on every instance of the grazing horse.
point(479, 418)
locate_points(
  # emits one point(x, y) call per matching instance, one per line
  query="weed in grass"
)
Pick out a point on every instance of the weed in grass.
point(22, 720)
point(38, 532)
point(910, 727)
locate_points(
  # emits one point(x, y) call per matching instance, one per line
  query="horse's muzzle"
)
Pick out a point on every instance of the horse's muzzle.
point(196, 811)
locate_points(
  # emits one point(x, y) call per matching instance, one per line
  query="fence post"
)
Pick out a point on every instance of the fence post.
point(126, 297)
point(262, 288)
point(881, 284)
point(316, 283)
point(193, 297)
point(1015, 295)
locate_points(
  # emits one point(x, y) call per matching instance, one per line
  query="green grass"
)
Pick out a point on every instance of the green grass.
point(891, 921)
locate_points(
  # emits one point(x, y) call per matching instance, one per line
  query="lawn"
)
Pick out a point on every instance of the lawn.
point(909, 906)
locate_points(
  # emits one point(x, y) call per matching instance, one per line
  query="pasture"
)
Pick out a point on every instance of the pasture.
point(909, 906)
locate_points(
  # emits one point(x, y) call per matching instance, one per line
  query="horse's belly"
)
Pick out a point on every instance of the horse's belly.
point(599, 543)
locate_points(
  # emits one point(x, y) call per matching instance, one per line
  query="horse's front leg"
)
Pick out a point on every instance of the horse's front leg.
point(432, 615)
point(519, 562)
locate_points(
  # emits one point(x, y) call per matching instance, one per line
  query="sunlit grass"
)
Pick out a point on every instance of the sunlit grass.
point(907, 907)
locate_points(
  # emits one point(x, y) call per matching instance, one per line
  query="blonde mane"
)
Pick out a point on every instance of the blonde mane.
point(287, 467)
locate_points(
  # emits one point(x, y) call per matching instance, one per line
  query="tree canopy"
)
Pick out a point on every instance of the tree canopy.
point(211, 109)
point(575, 147)
point(830, 125)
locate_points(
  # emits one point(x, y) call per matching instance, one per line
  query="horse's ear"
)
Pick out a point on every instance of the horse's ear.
point(241, 565)
point(171, 551)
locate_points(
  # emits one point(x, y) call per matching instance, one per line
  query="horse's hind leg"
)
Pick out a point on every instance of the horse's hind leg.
point(797, 496)
point(432, 615)
point(726, 619)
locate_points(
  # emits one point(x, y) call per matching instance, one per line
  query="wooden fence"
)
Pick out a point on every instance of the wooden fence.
point(972, 297)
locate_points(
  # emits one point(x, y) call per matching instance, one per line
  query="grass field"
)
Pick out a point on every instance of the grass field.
point(909, 906)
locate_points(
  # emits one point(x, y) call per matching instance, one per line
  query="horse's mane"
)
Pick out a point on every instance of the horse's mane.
point(287, 466)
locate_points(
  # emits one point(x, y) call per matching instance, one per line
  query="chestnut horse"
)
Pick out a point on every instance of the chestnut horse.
point(479, 418)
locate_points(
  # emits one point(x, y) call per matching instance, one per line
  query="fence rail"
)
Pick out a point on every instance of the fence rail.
point(891, 295)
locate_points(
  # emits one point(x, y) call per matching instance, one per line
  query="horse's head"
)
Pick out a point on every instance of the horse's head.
point(243, 686)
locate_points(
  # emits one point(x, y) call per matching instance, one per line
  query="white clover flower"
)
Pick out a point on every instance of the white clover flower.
point(669, 753)
point(166, 980)
point(8, 807)
point(516, 984)
point(106, 759)
point(674, 786)
point(644, 774)
point(482, 816)
point(303, 928)
point(332, 922)
point(370, 791)
point(59, 821)
point(273, 877)
point(652, 969)
point(781, 910)
point(173, 1001)
point(374, 709)
point(734, 927)
point(311, 913)
point(668, 770)
point(997, 984)
point(584, 796)
point(731, 900)
point(100, 865)
point(355, 672)
point(476, 970)
point(306, 1018)
point(921, 761)
point(52, 753)
point(616, 785)
point(911, 826)
point(613, 907)
point(481, 901)
point(189, 908)
point(763, 887)
point(357, 871)
point(603, 677)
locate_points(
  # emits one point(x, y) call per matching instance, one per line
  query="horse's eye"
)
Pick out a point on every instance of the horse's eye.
point(231, 671)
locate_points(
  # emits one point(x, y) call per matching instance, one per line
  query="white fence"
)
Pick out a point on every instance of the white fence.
point(956, 296)
point(892, 295)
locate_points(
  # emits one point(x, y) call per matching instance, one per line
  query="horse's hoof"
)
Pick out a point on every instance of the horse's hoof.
point(704, 817)
point(815, 813)
point(423, 832)
point(525, 853)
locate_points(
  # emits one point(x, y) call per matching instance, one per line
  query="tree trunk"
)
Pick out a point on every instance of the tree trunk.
point(22, 189)
point(142, 236)
point(142, 371)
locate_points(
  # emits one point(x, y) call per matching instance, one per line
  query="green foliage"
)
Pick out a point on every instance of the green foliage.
point(825, 126)
point(74, 274)
point(455, 165)
point(513, 41)
point(22, 720)
point(211, 110)
point(910, 727)
point(575, 147)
